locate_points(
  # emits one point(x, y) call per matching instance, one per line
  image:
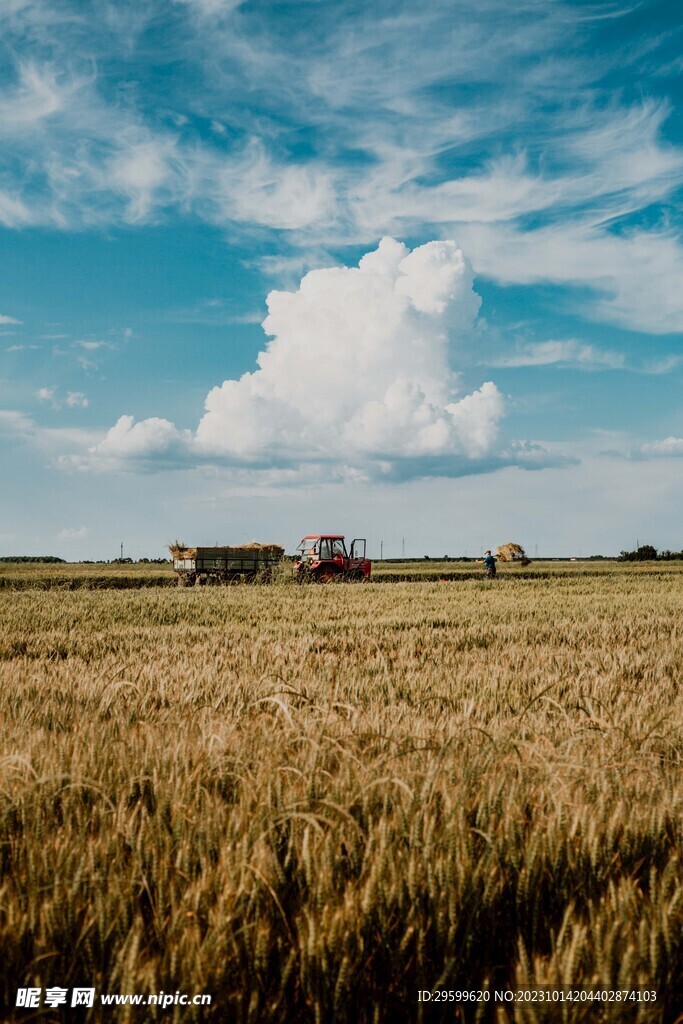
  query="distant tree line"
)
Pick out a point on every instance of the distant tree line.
point(140, 561)
point(648, 553)
point(88, 561)
point(31, 558)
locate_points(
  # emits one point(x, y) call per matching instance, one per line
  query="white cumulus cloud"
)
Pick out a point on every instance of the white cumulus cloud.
point(48, 395)
point(355, 374)
point(357, 367)
point(148, 438)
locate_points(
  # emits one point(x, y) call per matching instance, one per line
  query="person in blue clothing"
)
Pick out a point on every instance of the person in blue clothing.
point(489, 565)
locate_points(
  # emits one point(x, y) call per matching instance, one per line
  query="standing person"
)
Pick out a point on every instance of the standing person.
point(489, 565)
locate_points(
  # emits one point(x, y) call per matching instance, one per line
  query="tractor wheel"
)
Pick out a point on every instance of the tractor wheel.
point(327, 576)
point(357, 576)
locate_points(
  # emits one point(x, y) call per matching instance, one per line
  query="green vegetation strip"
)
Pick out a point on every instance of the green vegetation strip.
point(97, 577)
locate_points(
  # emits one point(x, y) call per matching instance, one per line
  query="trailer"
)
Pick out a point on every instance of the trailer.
point(217, 565)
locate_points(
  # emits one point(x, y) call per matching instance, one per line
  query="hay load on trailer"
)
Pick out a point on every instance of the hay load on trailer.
point(199, 566)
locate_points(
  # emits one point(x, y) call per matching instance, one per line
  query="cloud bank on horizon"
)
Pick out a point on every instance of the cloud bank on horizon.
point(356, 375)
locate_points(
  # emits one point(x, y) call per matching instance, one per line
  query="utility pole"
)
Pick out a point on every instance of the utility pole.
point(121, 550)
point(381, 550)
point(403, 540)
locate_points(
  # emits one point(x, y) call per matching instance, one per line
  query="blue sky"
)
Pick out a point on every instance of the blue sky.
point(462, 222)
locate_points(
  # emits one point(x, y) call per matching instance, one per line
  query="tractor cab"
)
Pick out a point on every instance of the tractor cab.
point(323, 558)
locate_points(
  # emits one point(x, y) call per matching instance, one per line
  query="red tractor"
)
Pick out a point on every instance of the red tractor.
point(322, 558)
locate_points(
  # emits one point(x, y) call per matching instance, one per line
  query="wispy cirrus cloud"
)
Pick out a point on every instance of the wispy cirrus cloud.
point(14, 423)
point(211, 9)
point(668, 447)
point(571, 353)
point(91, 345)
point(18, 426)
point(73, 533)
point(635, 275)
point(539, 182)
point(560, 353)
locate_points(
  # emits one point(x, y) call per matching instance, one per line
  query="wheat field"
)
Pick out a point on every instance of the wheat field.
point(315, 802)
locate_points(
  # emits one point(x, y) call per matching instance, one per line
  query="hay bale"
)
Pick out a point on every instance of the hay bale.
point(512, 552)
point(255, 545)
point(179, 550)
